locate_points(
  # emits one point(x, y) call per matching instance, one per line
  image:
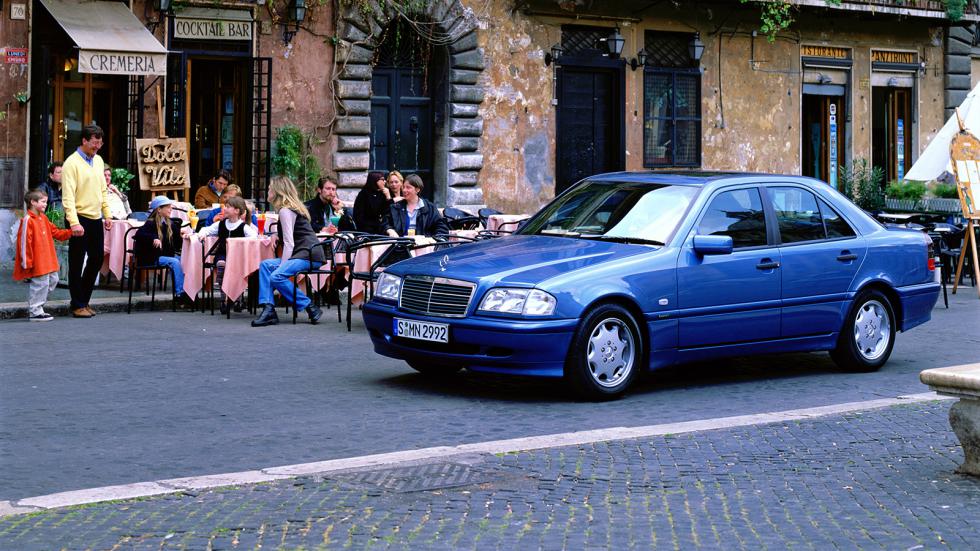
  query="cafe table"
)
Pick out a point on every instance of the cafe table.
point(505, 222)
point(115, 246)
point(242, 258)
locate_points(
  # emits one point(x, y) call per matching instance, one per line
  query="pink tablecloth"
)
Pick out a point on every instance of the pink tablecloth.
point(508, 221)
point(115, 246)
point(191, 257)
point(243, 257)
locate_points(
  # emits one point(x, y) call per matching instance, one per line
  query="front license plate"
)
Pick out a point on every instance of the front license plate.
point(421, 330)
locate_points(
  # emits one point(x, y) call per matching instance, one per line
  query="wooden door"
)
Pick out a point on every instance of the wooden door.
point(81, 99)
point(401, 123)
point(587, 125)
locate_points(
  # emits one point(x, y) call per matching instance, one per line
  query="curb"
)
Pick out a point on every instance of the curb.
point(61, 308)
point(438, 453)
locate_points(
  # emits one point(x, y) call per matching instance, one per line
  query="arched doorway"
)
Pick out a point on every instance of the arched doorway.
point(451, 74)
point(406, 97)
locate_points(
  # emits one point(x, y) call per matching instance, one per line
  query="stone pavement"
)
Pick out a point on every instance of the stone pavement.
point(880, 478)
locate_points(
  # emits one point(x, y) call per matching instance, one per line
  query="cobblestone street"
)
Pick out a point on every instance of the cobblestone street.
point(881, 478)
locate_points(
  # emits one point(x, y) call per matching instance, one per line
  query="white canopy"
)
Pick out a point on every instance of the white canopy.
point(110, 39)
point(935, 159)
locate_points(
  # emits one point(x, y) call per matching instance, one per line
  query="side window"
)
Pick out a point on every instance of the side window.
point(738, 214)
point(797, 214)
point(836, 226)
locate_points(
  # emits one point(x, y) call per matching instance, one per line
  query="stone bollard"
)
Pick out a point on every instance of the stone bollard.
point(961, 382)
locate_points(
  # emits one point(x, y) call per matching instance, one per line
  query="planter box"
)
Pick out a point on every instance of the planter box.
point(942, 205)
point(62, 252)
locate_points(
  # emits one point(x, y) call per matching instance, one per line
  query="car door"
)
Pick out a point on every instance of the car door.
point(730, 298)
point(820, 255)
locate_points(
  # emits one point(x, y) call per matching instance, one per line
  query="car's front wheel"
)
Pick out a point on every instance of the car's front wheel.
point(606, 353)
point(433, 370)
point(868, 335)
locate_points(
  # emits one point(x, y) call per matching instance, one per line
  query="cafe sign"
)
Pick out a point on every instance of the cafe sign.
point(162, 164)
point(212, 29)
point(121, 63)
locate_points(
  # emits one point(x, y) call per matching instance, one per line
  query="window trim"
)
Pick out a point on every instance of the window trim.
point(673, 119)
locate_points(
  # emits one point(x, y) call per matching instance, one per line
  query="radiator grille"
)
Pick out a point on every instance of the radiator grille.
point(436, 296)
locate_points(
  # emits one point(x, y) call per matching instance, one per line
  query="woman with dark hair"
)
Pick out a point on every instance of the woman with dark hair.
point(371, 205)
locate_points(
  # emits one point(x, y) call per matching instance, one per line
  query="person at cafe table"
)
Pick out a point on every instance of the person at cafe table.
point(298, 240)
point(231, 224)
point(327, 212)
point(159, 239)
point(415, 216)
point(208, 194)
point(218, 214)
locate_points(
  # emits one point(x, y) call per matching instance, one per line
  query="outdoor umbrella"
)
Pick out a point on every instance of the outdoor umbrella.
point(935, 159)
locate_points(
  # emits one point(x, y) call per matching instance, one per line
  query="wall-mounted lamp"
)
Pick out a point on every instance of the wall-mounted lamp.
point(295, 14)
point(554, 55)
point(824, 79)
point(922, 68)
point(640, 60)
point(892, 82)
point(162, 5)
point(614, 43)
point(695, 48)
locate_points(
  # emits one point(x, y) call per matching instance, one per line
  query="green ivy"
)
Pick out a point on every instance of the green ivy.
point(862, 184)
point(121, 178)
point(293, 158)
point(954, 9)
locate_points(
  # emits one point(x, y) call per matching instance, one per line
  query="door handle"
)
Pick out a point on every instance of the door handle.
point(847, 256)
point(64, 130)
point(767, 264)
point(413, 124)
point(197, 133)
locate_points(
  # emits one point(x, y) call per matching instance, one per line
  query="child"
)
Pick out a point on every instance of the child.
point(158, 241)
point(230, 225)
point(37, 262)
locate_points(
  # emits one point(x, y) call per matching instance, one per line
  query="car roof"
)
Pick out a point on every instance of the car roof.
point(693, 177)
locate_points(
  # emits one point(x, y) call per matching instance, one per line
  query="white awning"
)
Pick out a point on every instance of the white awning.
point(110, 39)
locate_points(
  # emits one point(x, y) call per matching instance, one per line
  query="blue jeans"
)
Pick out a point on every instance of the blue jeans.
point(174, 264)
point(274, 274)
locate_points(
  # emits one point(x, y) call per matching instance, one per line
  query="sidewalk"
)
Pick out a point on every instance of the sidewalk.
point(878, 478)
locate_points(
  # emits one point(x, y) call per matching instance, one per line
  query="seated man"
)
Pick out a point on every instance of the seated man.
point(327, 211)
point(208, 195)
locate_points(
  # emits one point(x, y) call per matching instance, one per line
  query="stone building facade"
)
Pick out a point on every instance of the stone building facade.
point(496, 103)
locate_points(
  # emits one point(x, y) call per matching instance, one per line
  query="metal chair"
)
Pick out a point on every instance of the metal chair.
point(311, 271)
point(460, 219)
point(155, 270)
point(485, 213)
point(354, 243)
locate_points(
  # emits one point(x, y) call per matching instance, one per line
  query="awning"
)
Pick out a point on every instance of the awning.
point(110, 39)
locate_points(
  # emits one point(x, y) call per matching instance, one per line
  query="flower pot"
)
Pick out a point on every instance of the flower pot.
point(61, 249)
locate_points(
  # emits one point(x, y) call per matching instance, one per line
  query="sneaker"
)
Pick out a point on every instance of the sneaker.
point(81, 313)
point(315, 314)
point(44, 316)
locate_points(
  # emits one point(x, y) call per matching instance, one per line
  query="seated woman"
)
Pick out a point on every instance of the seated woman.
point(415, 216)
point(395, 180)
point(296, 234)
point(158, 240)
point(371, 205)
point(117, 200)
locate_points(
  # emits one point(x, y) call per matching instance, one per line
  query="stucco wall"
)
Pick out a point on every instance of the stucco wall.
point(14, 79)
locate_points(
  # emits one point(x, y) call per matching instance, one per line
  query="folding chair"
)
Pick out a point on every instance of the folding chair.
point(155, 270)
point(460, 219)
point(310, 272)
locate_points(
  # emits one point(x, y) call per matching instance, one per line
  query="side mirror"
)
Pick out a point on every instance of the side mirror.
point(713, 244)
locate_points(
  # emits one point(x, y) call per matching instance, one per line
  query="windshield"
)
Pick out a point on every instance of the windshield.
point(620, 211)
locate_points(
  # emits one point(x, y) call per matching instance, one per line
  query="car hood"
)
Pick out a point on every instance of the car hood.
point(519, 259)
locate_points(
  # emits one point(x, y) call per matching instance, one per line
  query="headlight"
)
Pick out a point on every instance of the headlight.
point(530, 302)
point(389, 287)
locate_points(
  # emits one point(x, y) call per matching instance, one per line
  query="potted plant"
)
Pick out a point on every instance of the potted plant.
point(57, 217)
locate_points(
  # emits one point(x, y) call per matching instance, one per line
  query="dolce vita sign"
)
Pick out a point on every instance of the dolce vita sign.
point(162, 164)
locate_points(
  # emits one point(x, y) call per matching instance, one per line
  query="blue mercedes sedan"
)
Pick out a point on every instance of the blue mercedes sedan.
point(630, 271)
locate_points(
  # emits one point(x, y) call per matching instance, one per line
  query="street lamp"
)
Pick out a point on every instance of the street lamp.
point(695, 48)
point(295, 15)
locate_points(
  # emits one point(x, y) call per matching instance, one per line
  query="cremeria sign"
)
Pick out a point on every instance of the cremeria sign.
point(121, 63)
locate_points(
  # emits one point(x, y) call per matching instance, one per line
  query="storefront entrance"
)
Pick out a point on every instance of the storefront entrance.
point(823, 131)
point(891, 133)
point(217, 96)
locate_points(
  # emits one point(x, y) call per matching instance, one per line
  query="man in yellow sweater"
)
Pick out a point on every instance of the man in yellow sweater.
point(83, 196)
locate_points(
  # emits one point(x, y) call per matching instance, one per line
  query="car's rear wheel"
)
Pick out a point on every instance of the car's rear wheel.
point(605, 355)
point(432, 369)
point(868, 335)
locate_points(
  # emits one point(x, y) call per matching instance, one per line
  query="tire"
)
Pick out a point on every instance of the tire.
point(606, 354)
point(433, 370)
point(868, 335)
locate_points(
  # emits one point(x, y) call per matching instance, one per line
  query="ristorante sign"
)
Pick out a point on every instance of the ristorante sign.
point(121, 63)
point(212, 29)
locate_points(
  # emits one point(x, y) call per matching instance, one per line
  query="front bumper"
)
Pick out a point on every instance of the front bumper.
point(496, 345)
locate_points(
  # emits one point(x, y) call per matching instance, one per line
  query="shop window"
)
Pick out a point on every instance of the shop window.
point(671, 102)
